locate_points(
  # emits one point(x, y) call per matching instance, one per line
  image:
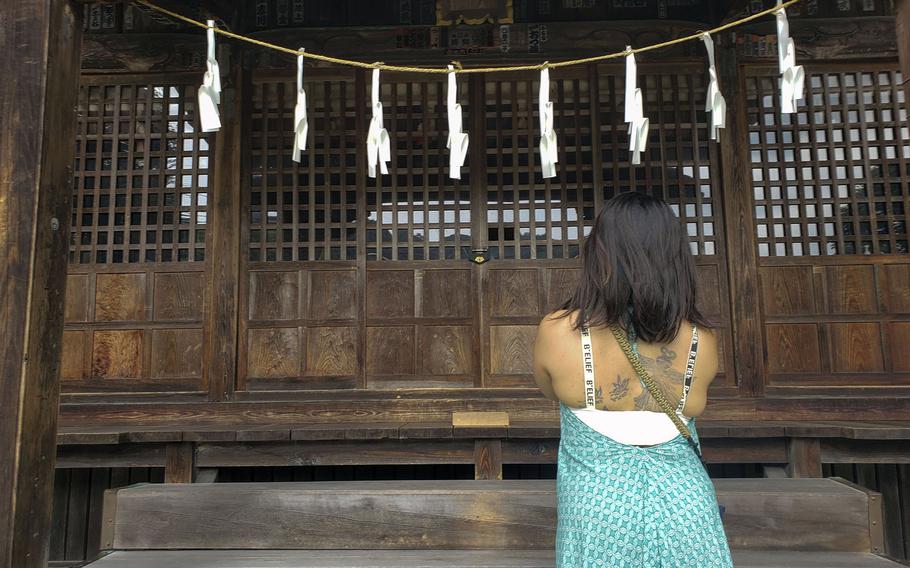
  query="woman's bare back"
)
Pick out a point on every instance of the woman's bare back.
point(558, 367)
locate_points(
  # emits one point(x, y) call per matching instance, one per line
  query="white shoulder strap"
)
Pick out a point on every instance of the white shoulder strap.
point(587, 353)
point(690, 371)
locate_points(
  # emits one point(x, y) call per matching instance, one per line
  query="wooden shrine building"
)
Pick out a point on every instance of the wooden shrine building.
point(232, 315)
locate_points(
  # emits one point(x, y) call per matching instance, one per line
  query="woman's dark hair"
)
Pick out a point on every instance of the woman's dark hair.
point(637, 271)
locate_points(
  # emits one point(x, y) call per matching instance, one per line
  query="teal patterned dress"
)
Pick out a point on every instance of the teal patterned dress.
point(623, 506)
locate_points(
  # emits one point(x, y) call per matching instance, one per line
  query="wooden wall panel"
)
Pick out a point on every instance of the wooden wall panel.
point(332, 351)
point(714, 304)
point(73, 351)
point(806, 311)
point(390, 293)
point(709, 291)
point(142, 330)
point(120, 297)
point(856, 348)
point(824, 322)
point(787, 290)
point(793, 348)
point(513, 293)
point(897, 288)
point(77, 294)
point(176, 353)
point(446, 293)
point(445, 350)
point(898, 334)
point(851, 289)
point(561, 284)
point(391, 350)
point(724, 376)
point(274, 353)
point(300, 328)
point(274, 295)
point(178, 296)
point(512, 348)
point(420, 325)
point(117, 354)
point(333, 294)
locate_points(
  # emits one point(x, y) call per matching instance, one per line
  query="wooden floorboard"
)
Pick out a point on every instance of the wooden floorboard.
point(776, 559)
point(442, 559)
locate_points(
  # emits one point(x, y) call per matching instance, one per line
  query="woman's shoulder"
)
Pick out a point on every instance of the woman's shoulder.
point(556, 327)
point(558, 321)
point(706, 335)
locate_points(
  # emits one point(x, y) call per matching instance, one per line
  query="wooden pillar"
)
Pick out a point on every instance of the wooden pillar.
point(487, 459)
point(742, 257)
point(179, 462)
point(40, 41)
point(902, 20)
point(805, 457)
point(225, 238)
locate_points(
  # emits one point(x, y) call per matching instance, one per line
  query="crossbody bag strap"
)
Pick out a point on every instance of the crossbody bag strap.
point(648, 382)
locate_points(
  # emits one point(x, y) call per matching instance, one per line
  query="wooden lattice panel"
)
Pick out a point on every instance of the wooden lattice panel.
point(418, 212)
point(678, 165)
point(834, 178)
point(305, 211)
point(141, 175)
point(527, 216)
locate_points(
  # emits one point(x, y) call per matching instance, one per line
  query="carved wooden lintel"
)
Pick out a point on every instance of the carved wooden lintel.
point(139, 53)
point(823, 39)
point(417, 45)
point(493, 44)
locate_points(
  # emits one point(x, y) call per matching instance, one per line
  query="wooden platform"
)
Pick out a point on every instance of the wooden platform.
point(496, 524)
point(441, 559)
point(800, 446)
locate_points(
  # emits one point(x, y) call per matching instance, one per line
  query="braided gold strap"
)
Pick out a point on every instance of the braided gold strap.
point(646, 379)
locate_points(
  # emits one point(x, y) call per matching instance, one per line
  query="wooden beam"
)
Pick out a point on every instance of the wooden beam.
point(902, 22)
point(374, 452)
point(865, 451)
point(224, 236)
point(40, 66)
point(742, 257)
point(119, 455)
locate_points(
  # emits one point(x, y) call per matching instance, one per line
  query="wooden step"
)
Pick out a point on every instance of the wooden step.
point(442, 559)
point(761, 514)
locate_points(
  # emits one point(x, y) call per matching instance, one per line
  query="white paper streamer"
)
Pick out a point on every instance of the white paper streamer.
point(378, 145)
point(301, 126)
point(458, 140)
point(792, 76)
point(548, 149)
point(715, 103)
point(210, 90)
point(634, 113)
